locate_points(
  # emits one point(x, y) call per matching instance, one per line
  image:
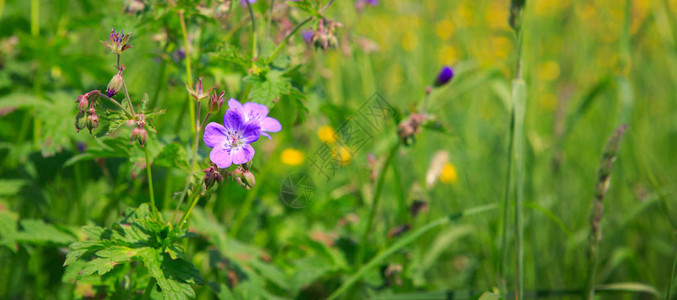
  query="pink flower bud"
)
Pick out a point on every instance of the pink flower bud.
point(92, 120)
point(215, 102)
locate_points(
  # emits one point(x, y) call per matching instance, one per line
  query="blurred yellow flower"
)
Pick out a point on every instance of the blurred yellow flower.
point(463, 16)
point(449, 175)
point(501, 46)
point(326, 134)
point(342, 155)
point(548, 71)
point(447, 55)
point(292, 157)
point(444, 29)
point(548, 101)
point(409, 41)
point(497, 16)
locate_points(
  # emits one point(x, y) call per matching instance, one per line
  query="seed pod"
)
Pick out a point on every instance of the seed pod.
point(143, 136)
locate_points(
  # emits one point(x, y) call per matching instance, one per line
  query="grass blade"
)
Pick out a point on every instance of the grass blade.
point(404, 242)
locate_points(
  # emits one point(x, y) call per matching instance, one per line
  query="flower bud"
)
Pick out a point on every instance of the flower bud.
point(115, 84)
point(92, 120)
point(134, 136)
point(215, 102)
point(80, 121)
point(445, 75)
point(143, 136)
point(198, 92)
point(83, 102)
point(212, 176)
point(409, 128)
point(244, 178)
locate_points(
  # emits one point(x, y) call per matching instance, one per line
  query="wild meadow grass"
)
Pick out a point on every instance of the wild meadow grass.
point(491, 149)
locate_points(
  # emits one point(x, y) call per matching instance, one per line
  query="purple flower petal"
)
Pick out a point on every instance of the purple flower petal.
point(251, 131)
point(233, 119)
point(243, 155)
point(221, 156)
point(215, 135)
point(234, 104)
point(255, 111)
point(270, 125)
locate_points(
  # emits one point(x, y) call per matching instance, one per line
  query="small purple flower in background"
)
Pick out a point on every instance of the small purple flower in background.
point(244, 2)
point(361, 4)
point(231, 143)
point(445, 75)
point(258, 113)
point(307, 36)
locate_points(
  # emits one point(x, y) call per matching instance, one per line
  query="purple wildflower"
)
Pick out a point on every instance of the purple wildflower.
point(119, 42)
point(257, 113)
point(445, 75)
point(307, 35)
point(244, 2)
point(231, 143)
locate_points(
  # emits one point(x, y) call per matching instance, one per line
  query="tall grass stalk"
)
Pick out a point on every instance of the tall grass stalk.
point(597, 211)
point(514, 184)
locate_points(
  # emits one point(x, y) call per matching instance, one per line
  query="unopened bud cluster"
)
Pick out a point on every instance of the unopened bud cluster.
point(87, 116)
point(325, 35)
point(139, 133)
point(409, 128)
point(242, 175)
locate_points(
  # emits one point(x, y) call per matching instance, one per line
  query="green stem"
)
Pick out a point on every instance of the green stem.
point(251, 15)
point(150, 180)
point(35, 17)
point(506, 204)
point(129, 99)
point(519, 106)
point(189, 76)
point(2, 7)
point(286, 39)
point(193, 202)
point(404, 241)
point(37, 84)
point(193, 159)
point(242, 213)
point(672, 277)
point(129, 114)
point(377, 196)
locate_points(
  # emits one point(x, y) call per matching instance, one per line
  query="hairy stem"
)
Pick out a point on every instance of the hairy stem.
point(189, 76)
point(150, 181)
point(193, 202)
point(251, 16)
point(377, 196)
point(129, 114)
point(286, 39)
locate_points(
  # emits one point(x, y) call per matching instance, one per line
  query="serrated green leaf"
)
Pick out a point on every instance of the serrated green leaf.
point(266, 89)
point(38, 232)
point(172, 156)
point(98, 265)
point(172, 276)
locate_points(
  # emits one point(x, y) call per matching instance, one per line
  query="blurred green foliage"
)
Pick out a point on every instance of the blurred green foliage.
point(586, 73)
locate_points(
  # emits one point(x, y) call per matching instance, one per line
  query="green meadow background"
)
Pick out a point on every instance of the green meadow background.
point(589, 67)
